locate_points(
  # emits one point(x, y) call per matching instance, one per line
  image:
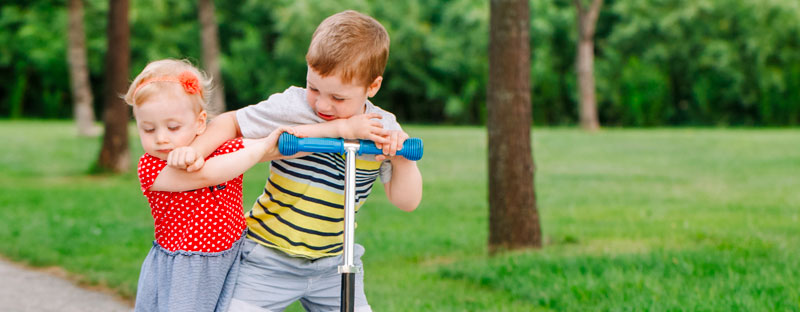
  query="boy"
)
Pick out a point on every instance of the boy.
point(295, 227)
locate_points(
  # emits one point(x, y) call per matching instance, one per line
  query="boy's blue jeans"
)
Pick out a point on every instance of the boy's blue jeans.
point(270, 280)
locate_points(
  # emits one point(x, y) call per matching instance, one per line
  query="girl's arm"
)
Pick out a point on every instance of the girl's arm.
point(221, 129)
point(221, 168)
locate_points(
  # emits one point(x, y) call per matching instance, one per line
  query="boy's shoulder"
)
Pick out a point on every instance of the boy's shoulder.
point(388, 120)
point(291, 94)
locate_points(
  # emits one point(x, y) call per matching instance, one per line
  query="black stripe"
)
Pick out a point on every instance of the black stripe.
point(361, 196)
point(256, 236)
point(304, 197)
point(296, 227)
point(308, 177)
point(298, 210)
point(336, 174)
point(339, 163)
point(265, 227)
point(365, 183)
point(363, 176)
point(336, 159)
point(338, 166)
point(338, 249)
point(328, 160)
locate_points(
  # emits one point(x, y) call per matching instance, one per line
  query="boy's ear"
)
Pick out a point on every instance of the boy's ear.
point(373, 87)
point(201, 119)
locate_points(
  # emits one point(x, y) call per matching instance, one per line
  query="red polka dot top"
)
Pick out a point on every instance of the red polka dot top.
point(207, 219)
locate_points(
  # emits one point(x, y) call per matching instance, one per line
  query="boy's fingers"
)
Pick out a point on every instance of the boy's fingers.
point(403, 137)
point(379, 140)
point(392, 144)
point(374, 116)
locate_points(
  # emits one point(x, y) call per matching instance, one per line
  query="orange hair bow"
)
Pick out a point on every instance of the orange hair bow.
point(188, 81)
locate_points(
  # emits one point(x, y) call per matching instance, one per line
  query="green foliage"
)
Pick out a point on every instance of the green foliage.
point(682, 62)
point(33, 61)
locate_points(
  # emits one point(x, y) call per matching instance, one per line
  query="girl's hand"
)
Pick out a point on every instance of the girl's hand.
point(364, 127)
point(394, 142)
point(268, 146)
point(185, 157)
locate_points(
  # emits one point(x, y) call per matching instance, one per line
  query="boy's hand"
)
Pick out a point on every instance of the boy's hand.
point(364, 127)
point(394, 142)
point(185, 157)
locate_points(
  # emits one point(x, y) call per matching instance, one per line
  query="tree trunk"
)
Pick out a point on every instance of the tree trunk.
point(83, 109)
point(17, 97)
point(587, 20)
point(205, 10)
point(513, 216)
point(115, 155)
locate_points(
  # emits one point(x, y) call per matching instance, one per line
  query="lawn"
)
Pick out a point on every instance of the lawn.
point(655, 220)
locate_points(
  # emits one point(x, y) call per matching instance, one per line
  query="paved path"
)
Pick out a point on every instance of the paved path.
point(23, 289)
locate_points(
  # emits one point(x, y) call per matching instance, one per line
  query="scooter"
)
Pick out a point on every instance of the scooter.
point(289, 144)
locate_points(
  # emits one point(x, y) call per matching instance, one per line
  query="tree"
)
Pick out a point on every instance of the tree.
point(513, 216)
point(587, 22)
point(115, 155)
point(205, 11)
point(83, 109)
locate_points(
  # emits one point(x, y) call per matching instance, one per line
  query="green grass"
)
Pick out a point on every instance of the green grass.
point(654, 220)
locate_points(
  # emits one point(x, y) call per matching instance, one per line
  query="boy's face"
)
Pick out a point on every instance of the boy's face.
point(166, 121)
point(331, 99)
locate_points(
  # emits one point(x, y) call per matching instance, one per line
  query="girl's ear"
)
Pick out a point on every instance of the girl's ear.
point(373, 87)
point(201, 120)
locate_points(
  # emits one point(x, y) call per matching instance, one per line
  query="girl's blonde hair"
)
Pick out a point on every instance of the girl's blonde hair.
point(163, 76)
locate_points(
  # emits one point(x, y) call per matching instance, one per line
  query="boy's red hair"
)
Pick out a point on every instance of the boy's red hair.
point(350, 44)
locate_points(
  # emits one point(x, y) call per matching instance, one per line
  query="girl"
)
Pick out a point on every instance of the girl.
point(199, 224)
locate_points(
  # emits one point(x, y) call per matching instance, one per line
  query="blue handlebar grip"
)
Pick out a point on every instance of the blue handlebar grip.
point(412, 149)
point(289, 144)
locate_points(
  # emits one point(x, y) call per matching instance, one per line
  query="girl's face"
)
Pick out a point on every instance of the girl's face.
point(166, 121)
point(331, 99)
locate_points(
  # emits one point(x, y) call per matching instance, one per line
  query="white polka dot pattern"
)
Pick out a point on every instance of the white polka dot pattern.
point(208, 219)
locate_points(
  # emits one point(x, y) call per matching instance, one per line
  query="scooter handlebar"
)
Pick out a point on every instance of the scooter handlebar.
point(289, 145)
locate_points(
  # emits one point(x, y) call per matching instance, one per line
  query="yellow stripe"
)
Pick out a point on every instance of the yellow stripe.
point(367, 164)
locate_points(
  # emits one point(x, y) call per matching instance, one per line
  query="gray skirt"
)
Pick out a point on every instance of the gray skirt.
point(188, 281)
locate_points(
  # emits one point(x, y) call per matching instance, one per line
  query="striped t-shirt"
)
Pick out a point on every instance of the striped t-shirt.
point(302, 208)
point(301, 211)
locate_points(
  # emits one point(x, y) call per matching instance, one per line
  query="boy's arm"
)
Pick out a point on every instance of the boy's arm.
point(221, 129)
point(221, 168)
point(363, 126)
point(404, 190)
